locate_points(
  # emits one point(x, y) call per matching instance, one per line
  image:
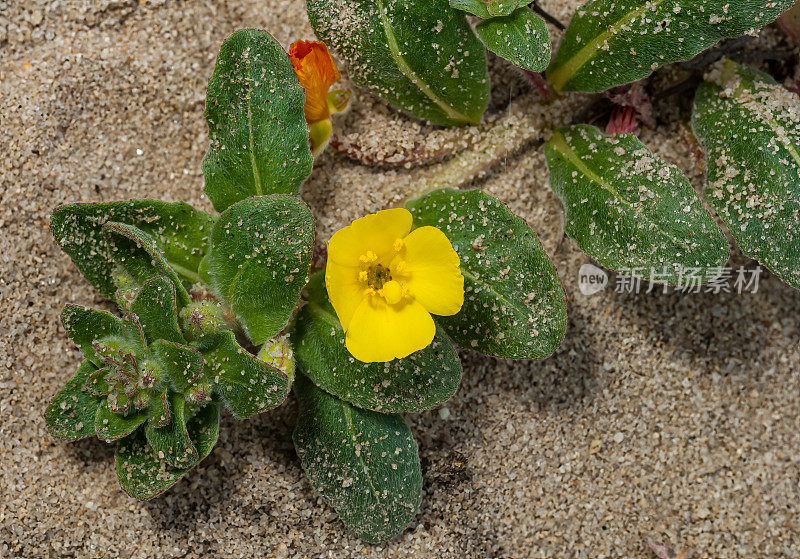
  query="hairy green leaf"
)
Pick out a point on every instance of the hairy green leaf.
point(259, 260)
point(111, 425)
point(180, 363)
point(422, 380)
point(84, 326)
point(487, 8)
point(70, 416)
point(178, 229)
point(172, 443)
point(514, 305)
point(521, 38)
point(257, 129)
point(631, 210)
point(143, 475)
point(419, 55)
point(157, 310)
point(364, 463)
point(141, 257)
point(245, 384)
point(749, 127)
point(612, 42)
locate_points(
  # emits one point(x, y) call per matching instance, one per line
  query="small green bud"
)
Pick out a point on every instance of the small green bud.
point(203, 318)
point(278, 353)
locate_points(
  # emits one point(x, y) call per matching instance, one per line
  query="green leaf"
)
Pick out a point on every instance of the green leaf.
point(158, 414)
point(140, 256)
point(111, 426)
point(365, 464)
point(257, 129)
point(245, 385)
point(630, 210)
point(487, 8)
point(521, 38)
point(156, 307)
point(182, 364)
point(422, 380)
point(419, 55)
point(749, 127)
point(172, 442)
point(259, 260)
point(180, 231)
point(514, 305)
point(612, 42)
point(143, 476)
point(70, 416)
point(84, 326)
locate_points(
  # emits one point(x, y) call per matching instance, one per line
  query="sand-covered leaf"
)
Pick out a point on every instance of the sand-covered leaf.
point(84, 326)
point(514, 305)
point(156, 308)
point(257, 129)
point(420, 381)
point(180, 364)
point(749, 127)
point(70, 415)
point(245, 384)
point(612, 42)
point(364, 463)
point(419, 55)
point(487, 8)
point(143, 475)
point(630, 210)
point(179, 230)
point(259, 260)
point(172, 442)
point(138, 254)
point(520, 37)
point(111, 425)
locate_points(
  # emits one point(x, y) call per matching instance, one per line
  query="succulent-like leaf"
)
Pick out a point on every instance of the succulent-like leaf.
point(631, 210)
point(180, 231)
point(245, 384)
point(143, 475)
point(70, 416)
point(612, 42)
point(520, 37)
point(84, 326)
point(419, 55)
point(364, 463)
point(158, 410)
point(180, 363)
point(172, 442)
point(422, 380)
point(156, 307)
point(514, 305)
point(141, 257)
point(259, 260)
point(111, 425)
point(749, 127)
point(257, 129)
point(488, 8)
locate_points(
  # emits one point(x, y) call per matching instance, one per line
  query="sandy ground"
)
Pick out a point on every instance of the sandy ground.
point(674, 416)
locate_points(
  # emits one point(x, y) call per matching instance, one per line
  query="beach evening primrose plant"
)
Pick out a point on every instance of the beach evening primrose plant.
point(385, 281)
point(211, 319)
point(316, 72)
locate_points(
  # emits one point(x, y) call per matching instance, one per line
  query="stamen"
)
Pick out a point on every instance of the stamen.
point(362, 276)
point(400, 266)
point(398, 245)
point(368, 257)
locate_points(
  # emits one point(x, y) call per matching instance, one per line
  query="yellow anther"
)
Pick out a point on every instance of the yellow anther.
point(368, 257)
point(392, 291)
point(362, 275)
point(400, 266)
point(398, 245)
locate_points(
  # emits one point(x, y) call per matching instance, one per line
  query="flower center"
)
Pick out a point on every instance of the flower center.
point(377, 276)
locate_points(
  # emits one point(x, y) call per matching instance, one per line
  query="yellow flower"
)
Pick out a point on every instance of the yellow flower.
point(385, 281)
point(316, 72)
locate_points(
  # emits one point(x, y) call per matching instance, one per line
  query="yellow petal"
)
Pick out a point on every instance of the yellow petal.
point(382, 332)
point(344, 290)
point(374, 232)
point(431, 271)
